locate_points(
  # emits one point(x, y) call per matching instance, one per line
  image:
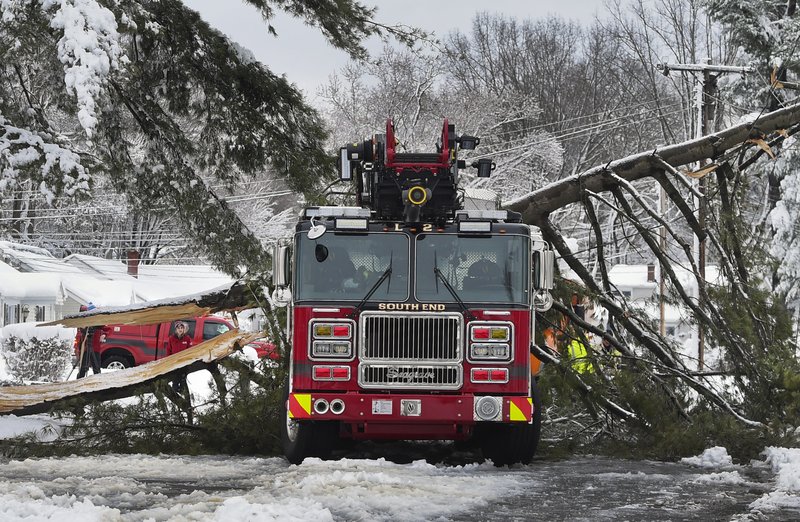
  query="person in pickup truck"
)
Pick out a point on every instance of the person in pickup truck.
point(178, 342)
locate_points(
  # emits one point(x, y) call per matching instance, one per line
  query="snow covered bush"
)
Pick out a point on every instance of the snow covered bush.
point(35, 359)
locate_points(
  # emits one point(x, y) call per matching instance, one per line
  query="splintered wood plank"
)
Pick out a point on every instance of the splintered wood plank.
point(39, 398)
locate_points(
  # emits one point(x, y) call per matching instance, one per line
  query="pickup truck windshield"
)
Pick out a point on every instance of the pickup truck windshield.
point(345, 267)
point(480, 269)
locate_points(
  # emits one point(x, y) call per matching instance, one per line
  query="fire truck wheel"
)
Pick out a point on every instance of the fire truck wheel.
point(508, 444)
point(301, 439)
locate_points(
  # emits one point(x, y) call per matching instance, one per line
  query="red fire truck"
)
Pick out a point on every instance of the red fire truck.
point(409, 316)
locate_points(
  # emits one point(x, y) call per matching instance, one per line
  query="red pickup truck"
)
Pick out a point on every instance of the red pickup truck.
point(123, 346)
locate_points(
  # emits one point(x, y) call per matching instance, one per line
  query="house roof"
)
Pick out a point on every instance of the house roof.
point(85, 288)
point(31, 286)
point(32, 259)
point(5, 268)
point(103, 282)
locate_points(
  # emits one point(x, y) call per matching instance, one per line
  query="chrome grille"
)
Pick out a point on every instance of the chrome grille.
point(411, 337)
point(411, 376)
point(411, 350)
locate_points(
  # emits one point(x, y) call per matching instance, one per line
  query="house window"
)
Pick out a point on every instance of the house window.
point(10, 313)
point(671, 331)
point(626, 294)
point(39, 313)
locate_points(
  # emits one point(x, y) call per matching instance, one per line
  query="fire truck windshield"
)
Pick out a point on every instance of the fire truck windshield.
point(480, 269)
point(345, 267)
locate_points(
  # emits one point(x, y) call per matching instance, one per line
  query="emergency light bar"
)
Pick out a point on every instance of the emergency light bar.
point(495, 215)
point(351, 224)
point(475, 226)
point(334, 212)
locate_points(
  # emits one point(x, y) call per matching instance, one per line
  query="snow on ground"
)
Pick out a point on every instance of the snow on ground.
point(723, 477)
point(785, 463)
point(716, 457)
point(44, 427)
point(139, 487)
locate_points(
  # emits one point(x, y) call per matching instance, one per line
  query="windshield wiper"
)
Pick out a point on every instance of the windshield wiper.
point(372, 290)
point(452, 291)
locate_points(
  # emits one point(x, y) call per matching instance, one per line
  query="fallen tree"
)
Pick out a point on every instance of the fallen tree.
point(747, 338)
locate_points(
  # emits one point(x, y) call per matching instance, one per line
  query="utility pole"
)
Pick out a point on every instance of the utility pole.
point(706, 108)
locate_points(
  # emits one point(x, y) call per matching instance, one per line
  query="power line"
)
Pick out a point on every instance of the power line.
point(573, 135)
point(597, 114)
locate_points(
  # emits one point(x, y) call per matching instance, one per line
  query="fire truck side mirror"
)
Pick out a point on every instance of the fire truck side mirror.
point(280, 266)
point(543, 268)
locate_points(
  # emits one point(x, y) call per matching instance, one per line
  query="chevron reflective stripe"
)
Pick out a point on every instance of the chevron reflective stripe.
point(299, 405)
point(520, 409)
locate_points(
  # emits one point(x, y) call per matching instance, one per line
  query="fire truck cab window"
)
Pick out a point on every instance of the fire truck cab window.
point(480, 269)
point(341, 267)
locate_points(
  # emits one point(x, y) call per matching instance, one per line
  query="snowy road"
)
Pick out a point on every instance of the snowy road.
point(137, 487)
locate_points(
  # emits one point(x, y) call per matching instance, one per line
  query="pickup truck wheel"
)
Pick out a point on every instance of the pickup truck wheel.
point(117, 362)
point(508, 444)
point(301, 439)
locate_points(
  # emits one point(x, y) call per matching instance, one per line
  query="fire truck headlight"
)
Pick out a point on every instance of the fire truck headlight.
point(322, 349)
point(331, 349)
point(480, 350)
point(341, 348)
point(493, 352)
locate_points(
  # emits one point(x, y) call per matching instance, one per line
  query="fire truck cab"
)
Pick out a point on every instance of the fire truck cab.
point(410, 317)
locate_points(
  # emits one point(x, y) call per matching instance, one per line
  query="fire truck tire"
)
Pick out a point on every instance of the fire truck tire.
point(507, 444)
point(301, 439)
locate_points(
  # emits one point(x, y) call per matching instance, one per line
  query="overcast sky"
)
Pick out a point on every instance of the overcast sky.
point(303, 55)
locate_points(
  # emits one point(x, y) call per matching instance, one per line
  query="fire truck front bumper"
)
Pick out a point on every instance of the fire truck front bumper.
point(360, 408)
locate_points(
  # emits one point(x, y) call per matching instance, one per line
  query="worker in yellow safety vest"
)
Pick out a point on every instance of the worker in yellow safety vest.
point(580, 357)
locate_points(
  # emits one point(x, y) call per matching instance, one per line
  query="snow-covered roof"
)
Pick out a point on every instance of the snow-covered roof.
point(28, 330)
point(97, 265)
point(32, 259)
point(100, 292)
point(31, 286)
point(205, 275)
point(5, 268)
point(103, 282)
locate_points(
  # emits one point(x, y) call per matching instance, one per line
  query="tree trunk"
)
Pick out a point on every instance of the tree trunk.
point(537, 205)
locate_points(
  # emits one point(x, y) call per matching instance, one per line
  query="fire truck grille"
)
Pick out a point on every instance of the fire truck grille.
point(419, 337)
point(410, 376)
point(411, 350)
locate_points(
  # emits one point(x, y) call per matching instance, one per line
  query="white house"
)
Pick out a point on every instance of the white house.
point(35, 286)
point(640, 284)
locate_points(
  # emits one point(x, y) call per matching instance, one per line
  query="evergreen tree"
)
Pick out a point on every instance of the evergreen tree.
point(149, 96)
